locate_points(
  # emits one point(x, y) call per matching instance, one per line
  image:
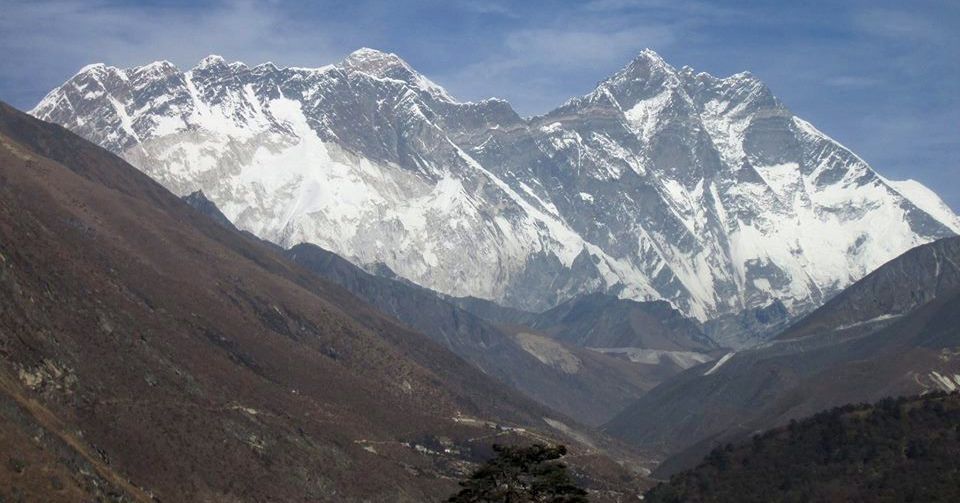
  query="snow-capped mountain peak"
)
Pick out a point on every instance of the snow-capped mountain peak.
point(211, 61)
point(374, 62)
point(659, 184)
point(388, 65)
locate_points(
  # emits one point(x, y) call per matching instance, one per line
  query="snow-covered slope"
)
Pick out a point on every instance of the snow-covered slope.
point(659, 184)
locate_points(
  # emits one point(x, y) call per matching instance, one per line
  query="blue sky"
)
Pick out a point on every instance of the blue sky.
point(882, 77)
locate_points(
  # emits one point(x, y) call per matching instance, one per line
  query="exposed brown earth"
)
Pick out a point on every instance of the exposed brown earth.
point(149, 353)
point(584, 384)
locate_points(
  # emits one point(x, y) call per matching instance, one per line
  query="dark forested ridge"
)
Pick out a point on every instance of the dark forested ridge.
point(895, 450)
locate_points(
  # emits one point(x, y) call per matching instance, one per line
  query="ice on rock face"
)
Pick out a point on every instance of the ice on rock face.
point(211, 61)
point(388, 65)
point(659, 184)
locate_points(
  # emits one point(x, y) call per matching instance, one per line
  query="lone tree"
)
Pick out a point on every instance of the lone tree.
point(521, 475)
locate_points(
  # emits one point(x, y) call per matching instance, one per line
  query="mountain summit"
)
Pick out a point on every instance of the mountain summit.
point(659, 184)
point(389, 66)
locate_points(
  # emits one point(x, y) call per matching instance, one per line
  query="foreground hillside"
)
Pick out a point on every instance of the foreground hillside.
point(585, 384)
point(582, 383)
point(895, 450)
point(151, 354)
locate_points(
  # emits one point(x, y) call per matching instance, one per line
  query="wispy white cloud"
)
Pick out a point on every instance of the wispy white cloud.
point(582, 49)
point(851, 81)
point(714, 11)
point(562, 52)
point(535, 68)
point(47, 40)
point(488, 7)
point(905, 26)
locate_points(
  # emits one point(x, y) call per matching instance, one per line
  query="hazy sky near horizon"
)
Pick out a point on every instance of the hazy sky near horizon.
point(882, 77)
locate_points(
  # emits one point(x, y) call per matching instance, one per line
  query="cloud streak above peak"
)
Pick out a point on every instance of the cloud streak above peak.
point(880, 76)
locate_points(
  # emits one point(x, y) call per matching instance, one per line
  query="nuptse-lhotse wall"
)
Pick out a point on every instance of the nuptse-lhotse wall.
point(659, 184)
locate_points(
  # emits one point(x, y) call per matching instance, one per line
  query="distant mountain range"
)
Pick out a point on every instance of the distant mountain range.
point(660, 184)
point(895, 332)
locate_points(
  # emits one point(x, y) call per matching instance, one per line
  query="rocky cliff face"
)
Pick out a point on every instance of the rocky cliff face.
point(662, 183)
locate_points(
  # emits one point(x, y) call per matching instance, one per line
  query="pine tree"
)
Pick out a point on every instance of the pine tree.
point(522, 475)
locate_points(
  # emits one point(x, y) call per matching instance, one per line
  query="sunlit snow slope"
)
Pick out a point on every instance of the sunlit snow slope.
point(659, 184)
